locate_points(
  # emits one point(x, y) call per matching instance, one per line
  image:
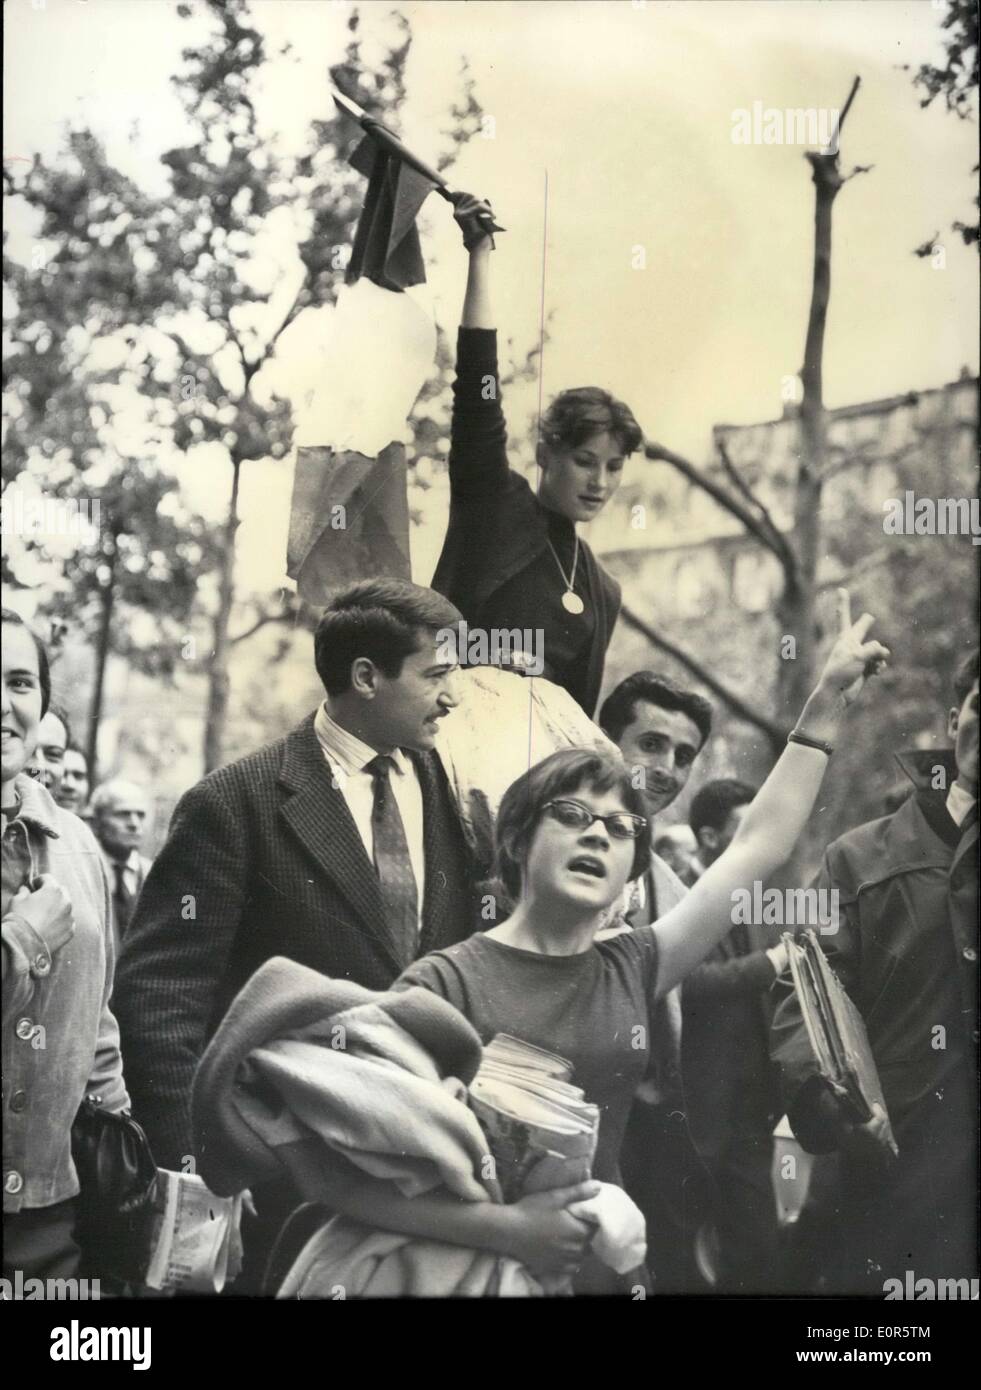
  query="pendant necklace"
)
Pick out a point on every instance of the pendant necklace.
point(571, 601)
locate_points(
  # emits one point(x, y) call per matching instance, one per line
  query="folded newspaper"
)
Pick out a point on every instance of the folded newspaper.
point(196, 1245)
point(836, 1031)
point(542, 1133)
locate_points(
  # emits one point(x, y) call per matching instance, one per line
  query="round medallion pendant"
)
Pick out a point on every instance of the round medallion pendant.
point(572, 603)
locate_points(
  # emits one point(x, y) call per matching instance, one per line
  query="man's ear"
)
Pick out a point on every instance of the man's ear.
point(364, 678)
point(953, 719)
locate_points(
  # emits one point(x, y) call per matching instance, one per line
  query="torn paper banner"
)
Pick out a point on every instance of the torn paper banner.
point(353, 373)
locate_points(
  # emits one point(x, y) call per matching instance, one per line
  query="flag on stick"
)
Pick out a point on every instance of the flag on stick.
point(350, 515)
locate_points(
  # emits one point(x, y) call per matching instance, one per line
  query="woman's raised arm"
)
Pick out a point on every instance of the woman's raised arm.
point(478, 434)
point(773, 822)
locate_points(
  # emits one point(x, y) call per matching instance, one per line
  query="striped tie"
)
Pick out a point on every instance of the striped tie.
point(391, 850)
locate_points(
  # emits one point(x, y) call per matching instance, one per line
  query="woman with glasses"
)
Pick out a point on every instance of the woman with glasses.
point(571, 832)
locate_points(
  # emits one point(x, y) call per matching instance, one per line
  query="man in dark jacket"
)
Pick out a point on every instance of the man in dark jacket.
point(906, 952)
point(338, 847)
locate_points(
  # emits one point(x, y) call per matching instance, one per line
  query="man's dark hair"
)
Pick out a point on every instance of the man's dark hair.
point(7, 615)
point(966, 675)
point(715, 802)
point(379, 619)
point(619, 709)
point(576, 415)
point(561, 774)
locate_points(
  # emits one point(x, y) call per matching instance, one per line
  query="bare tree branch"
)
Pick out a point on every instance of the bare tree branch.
point(778, 544)
point(833, 146)
point(775, 733)
point(659, 454)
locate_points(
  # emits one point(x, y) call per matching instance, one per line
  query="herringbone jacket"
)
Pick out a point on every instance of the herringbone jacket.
point(264, 859)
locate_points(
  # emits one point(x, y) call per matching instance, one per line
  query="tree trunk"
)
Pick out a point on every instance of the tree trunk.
point(218, 684)
point(797, 666)
point(107, 602)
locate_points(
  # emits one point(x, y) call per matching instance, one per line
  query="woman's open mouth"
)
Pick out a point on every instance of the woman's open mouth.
point(589, 865)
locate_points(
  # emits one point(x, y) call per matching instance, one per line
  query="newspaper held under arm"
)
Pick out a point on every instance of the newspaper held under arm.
point(836, 1031)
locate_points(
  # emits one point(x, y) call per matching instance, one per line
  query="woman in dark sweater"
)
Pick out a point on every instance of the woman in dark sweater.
point(512, 559)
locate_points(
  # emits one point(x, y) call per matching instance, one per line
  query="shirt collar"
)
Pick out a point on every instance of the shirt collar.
point(37, 805)
point(131, 860)
point(350, 753)
point(959, 802)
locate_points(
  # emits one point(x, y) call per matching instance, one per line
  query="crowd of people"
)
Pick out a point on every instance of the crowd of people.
point(340, 850)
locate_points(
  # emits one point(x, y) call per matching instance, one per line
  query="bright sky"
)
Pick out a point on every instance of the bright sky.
point(628, 110)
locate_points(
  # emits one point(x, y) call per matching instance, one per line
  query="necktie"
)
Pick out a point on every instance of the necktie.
point(122, 899)
point(391, 850)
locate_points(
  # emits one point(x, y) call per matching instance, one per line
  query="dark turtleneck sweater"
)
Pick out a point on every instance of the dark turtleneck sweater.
point(496, 565)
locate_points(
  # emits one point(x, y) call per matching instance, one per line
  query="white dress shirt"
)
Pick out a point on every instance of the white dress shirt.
point(959, 802)
point(347, 758)
point(135, 870)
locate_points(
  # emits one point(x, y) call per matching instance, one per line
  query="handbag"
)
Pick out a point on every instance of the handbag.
point(118, 1184)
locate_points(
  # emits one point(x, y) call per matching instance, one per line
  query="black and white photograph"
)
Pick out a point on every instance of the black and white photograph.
point(490, 665)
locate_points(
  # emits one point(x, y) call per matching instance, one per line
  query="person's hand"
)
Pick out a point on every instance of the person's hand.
point(852, 659)
point(868, 1143)
point(474, 217)
point(47, 909)
point(778, 957)
point(545, 1237)
point(850, 662)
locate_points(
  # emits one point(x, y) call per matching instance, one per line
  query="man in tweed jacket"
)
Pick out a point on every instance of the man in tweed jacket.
point(268, 856)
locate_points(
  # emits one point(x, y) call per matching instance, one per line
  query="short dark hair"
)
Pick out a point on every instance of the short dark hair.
point(714, 803)
point(966, 675)
point(558, 775)
point(7, 615)
point(379, 619)
point(576, 415)
point(619, 709)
